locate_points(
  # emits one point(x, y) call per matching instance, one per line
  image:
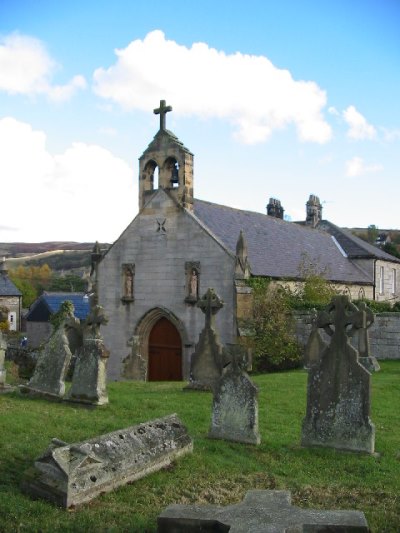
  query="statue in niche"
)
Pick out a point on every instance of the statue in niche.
point(192, 281)
point(193, 284)
point(128, 282)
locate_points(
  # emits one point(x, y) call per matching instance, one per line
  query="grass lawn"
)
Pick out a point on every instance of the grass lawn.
point(217, 472)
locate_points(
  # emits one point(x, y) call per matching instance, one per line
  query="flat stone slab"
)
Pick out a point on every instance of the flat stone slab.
point(261, 511)
point(71, 474)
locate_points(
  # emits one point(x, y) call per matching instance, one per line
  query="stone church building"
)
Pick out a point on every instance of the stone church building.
point(177, 247)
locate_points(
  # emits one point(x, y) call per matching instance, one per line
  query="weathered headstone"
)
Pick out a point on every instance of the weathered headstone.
point(338, 390)
point(89, 381)
point(365, 358)
point(71, 474)
point(261, 511)
point(235, 402)
point(3, 385)
point(315, 343)
point(206, 363)
point(49, 376)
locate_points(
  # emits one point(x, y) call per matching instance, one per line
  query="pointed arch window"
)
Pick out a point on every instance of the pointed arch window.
point(171, 169)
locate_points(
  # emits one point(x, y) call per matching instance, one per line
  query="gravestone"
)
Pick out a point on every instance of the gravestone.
point(338, 389)
point(235, 402)
point(49, 376)
point(71, 474)
point(89, 380)
point(261, 511)
point(365, 358)
point(314, 343)
point(206, 362)
point(3, 385)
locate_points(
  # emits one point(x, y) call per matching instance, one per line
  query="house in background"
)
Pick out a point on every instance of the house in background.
point(38, 325)
point(382, 269)
point(10, 298)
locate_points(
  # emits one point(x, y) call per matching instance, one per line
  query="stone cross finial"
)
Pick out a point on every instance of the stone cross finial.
point(210, 304)
point(162, 111)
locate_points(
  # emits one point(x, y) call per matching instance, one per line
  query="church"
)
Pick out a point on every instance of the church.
point(177, 247)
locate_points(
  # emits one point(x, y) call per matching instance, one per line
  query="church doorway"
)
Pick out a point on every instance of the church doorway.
point(165, 352)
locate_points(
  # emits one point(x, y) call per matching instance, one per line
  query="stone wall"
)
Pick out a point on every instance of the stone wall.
point(384, 334)
point(37, 333)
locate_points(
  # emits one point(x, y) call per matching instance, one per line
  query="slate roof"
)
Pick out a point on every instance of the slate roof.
point(355, 247)
point(277, 248)
point(7, 287)
point(50, 302)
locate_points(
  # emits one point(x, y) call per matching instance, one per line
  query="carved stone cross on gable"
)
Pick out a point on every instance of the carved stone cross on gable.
point(210, 304)
point(162, 111)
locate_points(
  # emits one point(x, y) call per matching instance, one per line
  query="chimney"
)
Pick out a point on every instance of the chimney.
point(313, 211)
point(274, 208)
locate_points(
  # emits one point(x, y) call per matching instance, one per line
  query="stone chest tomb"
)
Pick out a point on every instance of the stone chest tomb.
point(71, 474)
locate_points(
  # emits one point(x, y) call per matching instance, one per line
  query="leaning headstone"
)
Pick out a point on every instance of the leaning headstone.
point(261, 511)
point(365, 357)
point(235, 402)
point(339, 389)
point(206, 362)
point(89, 380)
point(49, 376)
point(71, 474)
point(3, 385)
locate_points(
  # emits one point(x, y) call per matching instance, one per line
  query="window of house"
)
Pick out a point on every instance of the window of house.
point(394, 281)
point(381, 279)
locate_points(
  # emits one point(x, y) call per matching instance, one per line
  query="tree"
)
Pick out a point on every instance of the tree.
point(68, 283)
point(271, 329)
point(29, 292)
point(372, 233)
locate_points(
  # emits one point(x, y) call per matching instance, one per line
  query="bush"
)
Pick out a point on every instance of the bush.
point(271, 328)
point(378, 307)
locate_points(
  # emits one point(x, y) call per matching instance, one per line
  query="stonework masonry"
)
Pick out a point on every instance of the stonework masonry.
point(384, 333)
point(160, 258)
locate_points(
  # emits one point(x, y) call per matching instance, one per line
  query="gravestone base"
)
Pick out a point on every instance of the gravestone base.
point(261, 511)
point(198, 386)
point(39, 393)
point(326, 435)
point(369, 363)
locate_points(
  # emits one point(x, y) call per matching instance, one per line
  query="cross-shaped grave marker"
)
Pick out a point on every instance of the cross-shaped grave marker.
point(267, 511)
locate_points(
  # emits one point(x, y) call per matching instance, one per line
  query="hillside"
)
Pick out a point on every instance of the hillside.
point(58, 255)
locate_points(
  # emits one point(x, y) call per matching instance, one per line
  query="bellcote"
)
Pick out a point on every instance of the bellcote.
point(168, 158)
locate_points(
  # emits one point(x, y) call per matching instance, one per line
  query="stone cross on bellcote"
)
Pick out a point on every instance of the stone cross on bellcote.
point(162, 111)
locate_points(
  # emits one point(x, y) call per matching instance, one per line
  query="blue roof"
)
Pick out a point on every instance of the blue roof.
point(53, 301)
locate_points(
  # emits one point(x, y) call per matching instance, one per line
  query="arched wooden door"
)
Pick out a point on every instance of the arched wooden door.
point(165, 352)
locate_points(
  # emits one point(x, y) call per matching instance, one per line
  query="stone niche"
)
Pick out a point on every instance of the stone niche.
point(71, 474)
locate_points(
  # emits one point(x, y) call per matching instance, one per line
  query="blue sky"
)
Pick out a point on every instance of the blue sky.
point(275, 99)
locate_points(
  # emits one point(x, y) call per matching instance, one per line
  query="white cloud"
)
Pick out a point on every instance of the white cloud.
point(357, 167)
point(85, 193)
point(27, 68)
point(358, 126)
point(249, 91)
point(391, 135)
